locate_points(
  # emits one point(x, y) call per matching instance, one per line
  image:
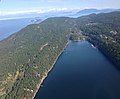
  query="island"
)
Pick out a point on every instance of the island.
point(27, 56)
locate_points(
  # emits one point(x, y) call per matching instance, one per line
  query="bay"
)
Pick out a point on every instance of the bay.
point(81, 72)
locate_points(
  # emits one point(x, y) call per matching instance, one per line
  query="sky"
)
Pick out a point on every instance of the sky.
point(41, 6)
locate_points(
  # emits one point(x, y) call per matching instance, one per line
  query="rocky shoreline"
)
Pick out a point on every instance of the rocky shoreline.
point(45, 76)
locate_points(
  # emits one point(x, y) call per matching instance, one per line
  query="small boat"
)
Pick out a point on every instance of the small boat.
point(93, 46)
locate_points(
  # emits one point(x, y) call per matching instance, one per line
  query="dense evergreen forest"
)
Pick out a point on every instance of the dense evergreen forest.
point(103, 30)
point(27, 56)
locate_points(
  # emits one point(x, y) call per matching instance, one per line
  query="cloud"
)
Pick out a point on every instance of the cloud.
point(37, 10)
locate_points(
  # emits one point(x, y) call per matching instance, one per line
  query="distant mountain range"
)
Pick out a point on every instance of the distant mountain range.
point(95, 11)
point(40, 15)
point(73, 13)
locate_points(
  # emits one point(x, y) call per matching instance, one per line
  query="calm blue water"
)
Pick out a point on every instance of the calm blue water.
point(81, 72)
point(10, 26)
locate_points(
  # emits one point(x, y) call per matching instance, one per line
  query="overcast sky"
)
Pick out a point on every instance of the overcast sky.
point(16, 6)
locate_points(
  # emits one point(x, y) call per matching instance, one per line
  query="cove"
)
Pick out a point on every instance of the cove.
point(81, 72)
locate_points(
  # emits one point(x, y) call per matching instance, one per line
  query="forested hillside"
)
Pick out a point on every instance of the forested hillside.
point(27, 56)
point(103, 31)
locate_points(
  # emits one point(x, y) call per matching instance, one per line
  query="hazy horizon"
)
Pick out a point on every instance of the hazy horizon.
point(43, 6)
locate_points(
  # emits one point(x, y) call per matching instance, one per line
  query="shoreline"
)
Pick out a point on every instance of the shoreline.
point(46, 74)
point(108, 56)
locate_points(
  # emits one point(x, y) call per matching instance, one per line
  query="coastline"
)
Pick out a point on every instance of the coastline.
point(107, 55)
point(46, 74)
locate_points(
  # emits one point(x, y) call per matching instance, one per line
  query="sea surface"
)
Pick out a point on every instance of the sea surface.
point(10, 26)
point(81, 72)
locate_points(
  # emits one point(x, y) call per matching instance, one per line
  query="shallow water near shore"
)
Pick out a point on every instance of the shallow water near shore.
point(81, 72)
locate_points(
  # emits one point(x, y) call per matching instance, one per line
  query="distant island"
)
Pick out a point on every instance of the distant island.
point(26, 57)
point(96, 11)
